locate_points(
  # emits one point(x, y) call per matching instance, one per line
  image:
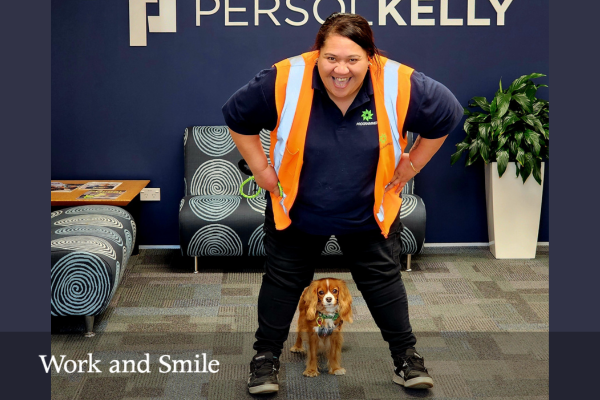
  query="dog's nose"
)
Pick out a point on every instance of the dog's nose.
point(328, 299)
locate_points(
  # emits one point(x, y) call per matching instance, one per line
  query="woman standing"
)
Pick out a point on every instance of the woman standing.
point(339, 116)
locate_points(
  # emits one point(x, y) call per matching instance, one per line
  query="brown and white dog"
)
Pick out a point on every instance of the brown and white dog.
point(324, 306)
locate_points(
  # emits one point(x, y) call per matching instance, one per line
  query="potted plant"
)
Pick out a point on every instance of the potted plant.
point(511, 135)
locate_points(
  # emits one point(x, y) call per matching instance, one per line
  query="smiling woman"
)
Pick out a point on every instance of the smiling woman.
point(342, 66)
point(346, 49)
point(338, 116)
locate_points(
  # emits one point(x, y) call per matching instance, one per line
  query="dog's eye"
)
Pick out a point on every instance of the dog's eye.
point(334, 291)
point(321, 293)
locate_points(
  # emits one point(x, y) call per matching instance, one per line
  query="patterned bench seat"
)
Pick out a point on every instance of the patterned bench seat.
point(89, 250)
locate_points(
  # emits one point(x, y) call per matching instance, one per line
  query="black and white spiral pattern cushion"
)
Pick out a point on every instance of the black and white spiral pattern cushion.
point(215, 220)
point(90, 247)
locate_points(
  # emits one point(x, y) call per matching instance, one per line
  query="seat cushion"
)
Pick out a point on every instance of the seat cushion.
point(414, 218)
point(89, 250)
point(217, 225)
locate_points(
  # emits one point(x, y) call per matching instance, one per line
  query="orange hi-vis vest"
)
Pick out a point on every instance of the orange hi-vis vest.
point(293, 97)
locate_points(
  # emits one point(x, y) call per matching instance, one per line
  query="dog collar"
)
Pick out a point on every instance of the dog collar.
point(323, 316)
point(324, 331)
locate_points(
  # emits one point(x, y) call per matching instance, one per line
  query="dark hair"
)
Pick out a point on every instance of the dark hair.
point(351, 26)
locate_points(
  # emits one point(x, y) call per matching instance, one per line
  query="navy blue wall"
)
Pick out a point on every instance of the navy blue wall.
point(118, 112)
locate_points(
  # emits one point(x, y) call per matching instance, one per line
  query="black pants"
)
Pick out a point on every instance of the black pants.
point(374, 262)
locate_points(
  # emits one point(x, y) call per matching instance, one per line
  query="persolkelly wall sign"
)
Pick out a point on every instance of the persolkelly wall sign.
point(421, 14)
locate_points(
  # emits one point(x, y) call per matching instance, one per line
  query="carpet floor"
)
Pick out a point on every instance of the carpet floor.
point(481, 324)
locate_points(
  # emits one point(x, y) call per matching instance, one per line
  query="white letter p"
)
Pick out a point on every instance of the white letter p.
point(166, 21)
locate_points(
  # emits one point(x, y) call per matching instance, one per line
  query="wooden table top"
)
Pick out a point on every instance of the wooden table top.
point(132, 189)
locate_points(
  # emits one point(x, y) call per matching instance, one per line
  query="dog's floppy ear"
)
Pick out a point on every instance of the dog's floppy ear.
point(310, 300)
point(345, 302)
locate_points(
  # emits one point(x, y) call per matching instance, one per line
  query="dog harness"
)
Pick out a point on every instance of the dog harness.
point(324, 330)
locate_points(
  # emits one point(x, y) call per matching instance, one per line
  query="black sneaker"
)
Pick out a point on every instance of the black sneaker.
point(410, 371)
point(264, 371)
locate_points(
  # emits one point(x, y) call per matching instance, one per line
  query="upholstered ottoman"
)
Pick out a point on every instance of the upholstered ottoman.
point(89, 250)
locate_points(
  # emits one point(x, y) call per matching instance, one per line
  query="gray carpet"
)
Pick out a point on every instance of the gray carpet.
point(481, 324)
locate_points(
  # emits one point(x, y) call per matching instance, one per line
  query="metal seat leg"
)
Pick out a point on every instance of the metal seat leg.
point(89, 326)
point(195, 265)
point(408, 267)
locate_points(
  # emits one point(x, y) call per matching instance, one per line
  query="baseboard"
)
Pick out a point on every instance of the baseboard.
point(483, 244)
point(156, 247)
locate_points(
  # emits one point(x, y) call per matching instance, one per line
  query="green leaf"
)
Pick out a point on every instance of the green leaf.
point(522, 80)
point(524, 101)
point(518, 138)
point(502, 158)
point(517, 89)
point(537, 107)
point(462, 146)
point(474, 148)
point(518, 168)
point(479, 117)
point(533, 139)
point(455, 157)
point(481, 102)
point(467, 125)
point(484, 133)
point(510, 119)
point(485, 153)
point(533, 121)
point(527, 167)
point(521, 156)
point(493, 106)
point(536, 147)
point(503, 104)
point(512, 146)
point(537, 174)
point(502, 141)
point(501, 85)
point(496, 123)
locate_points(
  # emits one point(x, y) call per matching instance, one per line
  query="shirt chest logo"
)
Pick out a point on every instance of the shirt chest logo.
point(367, 116)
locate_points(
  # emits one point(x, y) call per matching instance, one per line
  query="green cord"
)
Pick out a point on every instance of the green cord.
point(258, 191)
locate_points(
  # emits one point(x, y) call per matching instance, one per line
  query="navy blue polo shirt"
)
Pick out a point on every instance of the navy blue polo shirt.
point(337, 181)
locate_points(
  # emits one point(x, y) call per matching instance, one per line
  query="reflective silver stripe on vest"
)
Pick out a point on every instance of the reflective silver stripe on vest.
point(292, 94)
point(380, 214)
point(390, 95)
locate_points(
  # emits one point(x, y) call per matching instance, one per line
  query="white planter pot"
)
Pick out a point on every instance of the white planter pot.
point(513, 212)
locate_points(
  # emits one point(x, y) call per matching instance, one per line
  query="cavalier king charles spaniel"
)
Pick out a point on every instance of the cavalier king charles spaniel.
point(324, 306)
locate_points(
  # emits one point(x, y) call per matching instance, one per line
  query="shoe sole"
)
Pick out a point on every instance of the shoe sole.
point(266, 388)
point(414, 383)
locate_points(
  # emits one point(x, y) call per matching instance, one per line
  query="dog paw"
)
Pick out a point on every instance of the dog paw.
point(310, 373)
point(339, 371)
point(295, 349)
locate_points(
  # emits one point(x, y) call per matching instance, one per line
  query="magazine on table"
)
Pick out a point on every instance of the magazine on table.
point(100, 186)
point(64, 187)
point(101, 194)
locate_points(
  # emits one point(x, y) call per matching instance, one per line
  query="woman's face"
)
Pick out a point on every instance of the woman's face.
point(342, 65)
